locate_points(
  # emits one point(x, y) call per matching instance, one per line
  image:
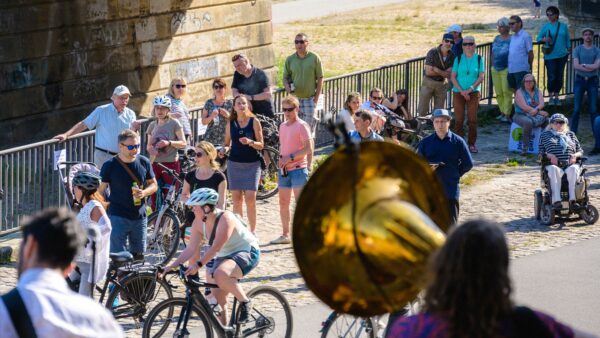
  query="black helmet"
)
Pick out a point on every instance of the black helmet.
point(86, 180)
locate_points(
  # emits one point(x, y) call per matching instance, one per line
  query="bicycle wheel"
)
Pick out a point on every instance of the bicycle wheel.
point(163, 320)
point(137, 293)
point(268, 178)
point(271, 314)
point(348, 326)
point(161, 249)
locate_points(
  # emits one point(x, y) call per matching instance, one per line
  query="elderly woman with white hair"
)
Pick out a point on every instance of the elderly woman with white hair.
point(561, 147)
point(500, 47)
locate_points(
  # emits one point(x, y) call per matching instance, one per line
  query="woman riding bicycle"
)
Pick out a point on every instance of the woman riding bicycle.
point(92, 215)
point(232, 253)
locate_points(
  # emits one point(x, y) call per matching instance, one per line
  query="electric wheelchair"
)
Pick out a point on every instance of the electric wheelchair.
point(545, 211)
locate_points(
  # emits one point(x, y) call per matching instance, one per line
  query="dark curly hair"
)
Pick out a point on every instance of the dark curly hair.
point(469, 283)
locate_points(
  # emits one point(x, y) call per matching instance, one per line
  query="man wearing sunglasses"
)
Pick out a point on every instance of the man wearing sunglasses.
point(254, 84)
point(109, 120)
point(129, 221)
point(303, 77)
point(438, 66)
point(377, 105)
point(520, 53)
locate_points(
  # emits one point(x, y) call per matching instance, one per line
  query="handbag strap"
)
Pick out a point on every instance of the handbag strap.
point(214, 229)
point(131, 174)
point(18, 314)
point(555, 34)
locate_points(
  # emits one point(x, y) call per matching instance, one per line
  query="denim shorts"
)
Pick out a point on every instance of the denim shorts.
point(515, 79)
point(246, 260)
point(295, 178)
point(124, 230)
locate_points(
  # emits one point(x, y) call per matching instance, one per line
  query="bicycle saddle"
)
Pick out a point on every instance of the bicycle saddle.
point(121, 257)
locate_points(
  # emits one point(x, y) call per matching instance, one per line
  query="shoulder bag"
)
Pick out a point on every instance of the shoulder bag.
point(547, 49)
point(18, 314)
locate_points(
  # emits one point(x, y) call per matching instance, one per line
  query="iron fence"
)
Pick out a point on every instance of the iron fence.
point(31, 183)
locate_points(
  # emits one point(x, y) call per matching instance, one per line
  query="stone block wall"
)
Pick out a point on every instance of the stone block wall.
point(60, 59)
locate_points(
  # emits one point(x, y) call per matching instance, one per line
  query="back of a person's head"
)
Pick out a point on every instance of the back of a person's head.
point(469, 284)
point(58, 235)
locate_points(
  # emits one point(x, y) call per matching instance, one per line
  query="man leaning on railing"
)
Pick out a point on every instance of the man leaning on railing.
point(109, 120)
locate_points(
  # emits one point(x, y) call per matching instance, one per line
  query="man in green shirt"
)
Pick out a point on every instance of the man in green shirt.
point(303, 77)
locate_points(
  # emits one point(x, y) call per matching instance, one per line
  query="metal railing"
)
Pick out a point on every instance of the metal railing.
point(30, 182)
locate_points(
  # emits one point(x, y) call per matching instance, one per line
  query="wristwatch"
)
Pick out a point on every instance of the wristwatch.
point(292, 156)
point(199, 264)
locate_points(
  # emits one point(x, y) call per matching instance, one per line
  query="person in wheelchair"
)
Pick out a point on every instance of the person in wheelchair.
point(560, 151)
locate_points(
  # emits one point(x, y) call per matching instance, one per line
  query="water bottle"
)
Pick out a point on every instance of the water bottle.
point(215, 306)
point(283, 172)
point(136, 201)
point(216, 117)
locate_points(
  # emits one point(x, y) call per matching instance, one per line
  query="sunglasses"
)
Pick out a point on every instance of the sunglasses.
point(468, 44)
point(376, 97)
point(449, 41)
point(218, 87)
point(512, 23)
point(199, 154)
point(550, 14)
point(559, 122)
point(299, 42)
point(288, 110)
point(179, 86)
point(131, 147)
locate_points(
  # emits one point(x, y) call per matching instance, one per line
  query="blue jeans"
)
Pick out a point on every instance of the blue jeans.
point(582, 86)
point(555, 72)
point(596, 130)
point(124, 229)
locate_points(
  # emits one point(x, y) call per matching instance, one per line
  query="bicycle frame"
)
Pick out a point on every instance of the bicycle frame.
point(171, 201)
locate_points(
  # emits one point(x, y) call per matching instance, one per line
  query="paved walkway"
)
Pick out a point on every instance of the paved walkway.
point(310, 9)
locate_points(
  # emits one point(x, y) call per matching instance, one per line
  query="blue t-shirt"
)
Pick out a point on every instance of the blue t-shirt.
point(453, 151)
point(500, 49)
point(467, 71)
point(356, 137)
point(120, 183)
point(586, 56)
point(109, 123)
point(561, 42)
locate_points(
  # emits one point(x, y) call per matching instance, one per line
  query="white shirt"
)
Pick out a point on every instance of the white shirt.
point(518, 52)
point(348, 120)
point(58, 312)
point(109, 123)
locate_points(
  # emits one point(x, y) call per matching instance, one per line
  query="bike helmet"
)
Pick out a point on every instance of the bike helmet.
point(86, 180)
point(203, 196)
point(162, 101)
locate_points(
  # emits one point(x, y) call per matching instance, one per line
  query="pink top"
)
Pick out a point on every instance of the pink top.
point(291, 139)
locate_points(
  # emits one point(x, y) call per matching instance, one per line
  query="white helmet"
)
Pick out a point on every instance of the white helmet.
point(203, 196)
point(162, 101)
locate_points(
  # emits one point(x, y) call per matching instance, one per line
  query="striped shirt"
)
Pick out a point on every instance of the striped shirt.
point(550, 143)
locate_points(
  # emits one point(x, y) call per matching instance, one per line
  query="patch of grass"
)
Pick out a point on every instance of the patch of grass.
point(476, 26)
point(514, 162)
point(455, 8)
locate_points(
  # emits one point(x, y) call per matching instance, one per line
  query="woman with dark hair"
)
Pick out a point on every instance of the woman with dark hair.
point(351, 106)
point(243, 134)
point(469, 292)
point(557, 43)
point(402, 108)
point(215, 113)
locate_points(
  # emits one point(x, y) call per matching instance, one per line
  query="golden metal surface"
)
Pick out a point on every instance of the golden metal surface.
point(378, 266)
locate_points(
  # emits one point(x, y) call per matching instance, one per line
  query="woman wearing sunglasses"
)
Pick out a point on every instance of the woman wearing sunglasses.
point(243, 134)
point(215, 114)
point(179, 110)
point(165, 136)
point(529, 105)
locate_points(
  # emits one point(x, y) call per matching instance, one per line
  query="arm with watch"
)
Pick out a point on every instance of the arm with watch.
point(306, 149)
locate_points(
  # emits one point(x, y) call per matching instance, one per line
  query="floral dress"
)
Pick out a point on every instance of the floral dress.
point(215, 130)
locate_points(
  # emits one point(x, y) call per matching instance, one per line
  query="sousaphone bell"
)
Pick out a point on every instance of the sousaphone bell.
point(365, 225)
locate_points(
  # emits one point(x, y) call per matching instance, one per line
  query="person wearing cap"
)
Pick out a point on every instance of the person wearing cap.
point(438, 67)
point(449, 156)
point(165, 136)
point(555, 35)
point(520, 53)
point(468, 72)
point(586, 61)
point(456, 32)
point(500, 47)
point(561, 148)
point(253, 83)
point(363, 121)
point(109, 120)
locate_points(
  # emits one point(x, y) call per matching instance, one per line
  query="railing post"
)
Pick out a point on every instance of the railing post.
point(489, 73)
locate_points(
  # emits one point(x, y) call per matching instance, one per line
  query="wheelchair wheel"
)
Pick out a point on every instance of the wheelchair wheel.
point(537, 203)
point(589, 214)
point(547, 215)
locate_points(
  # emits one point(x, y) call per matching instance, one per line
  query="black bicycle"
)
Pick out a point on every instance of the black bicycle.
point(132, 287)
point(193, 316)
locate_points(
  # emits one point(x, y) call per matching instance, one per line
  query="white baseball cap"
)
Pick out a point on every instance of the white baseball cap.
point(454, 28)
point(121, 90)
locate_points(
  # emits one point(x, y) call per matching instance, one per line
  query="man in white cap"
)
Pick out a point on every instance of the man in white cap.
point(109, 120)
point(448, 155)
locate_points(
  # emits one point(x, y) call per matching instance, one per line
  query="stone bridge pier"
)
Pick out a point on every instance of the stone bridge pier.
point(59, 59)
point(581, 14)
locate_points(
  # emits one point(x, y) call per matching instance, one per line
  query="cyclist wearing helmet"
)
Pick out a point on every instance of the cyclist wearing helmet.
point(165, 136)
point(91, 216)
point(232, 253)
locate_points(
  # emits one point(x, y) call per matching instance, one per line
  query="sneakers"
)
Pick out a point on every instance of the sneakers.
point(557, 205)
point(245, 309)
point(282, 240)
point(115, 303)
point(574, 206)
point(473, 149)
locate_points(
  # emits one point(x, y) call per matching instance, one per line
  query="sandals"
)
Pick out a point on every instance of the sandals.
point(473, 149)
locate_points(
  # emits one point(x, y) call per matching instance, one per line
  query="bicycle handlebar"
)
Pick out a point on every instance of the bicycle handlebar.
point(170, 171)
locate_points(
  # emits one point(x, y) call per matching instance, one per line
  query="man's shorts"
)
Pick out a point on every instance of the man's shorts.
point(308, 114)
point(246, 260)
point(515, 79)
point(295, 178)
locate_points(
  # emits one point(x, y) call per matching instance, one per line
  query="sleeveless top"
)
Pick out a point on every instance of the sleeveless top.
point(241, 238)
point(240, 152)
point(531, 101)
point(84, 218)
